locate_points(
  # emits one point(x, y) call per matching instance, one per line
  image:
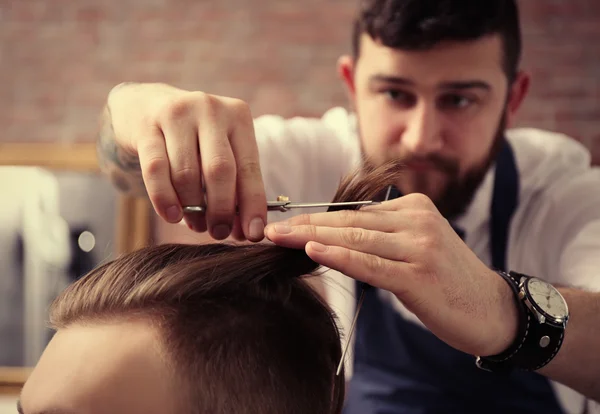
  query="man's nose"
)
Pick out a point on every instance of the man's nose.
point(423, 133)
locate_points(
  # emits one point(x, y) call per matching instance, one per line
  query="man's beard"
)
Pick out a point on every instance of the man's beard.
point(458, 193)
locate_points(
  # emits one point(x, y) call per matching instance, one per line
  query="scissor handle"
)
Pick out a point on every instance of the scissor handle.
point(277, 205)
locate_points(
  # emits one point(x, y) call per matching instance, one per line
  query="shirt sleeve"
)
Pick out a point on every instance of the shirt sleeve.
point(305, 158)
point(579, 264)
point(579, 251)
point(568, 240)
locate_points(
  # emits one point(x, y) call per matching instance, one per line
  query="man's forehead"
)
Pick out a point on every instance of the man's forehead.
point(444, 62)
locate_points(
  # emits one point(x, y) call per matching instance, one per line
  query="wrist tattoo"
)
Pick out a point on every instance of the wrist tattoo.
point(110, 152)
point(122, 168)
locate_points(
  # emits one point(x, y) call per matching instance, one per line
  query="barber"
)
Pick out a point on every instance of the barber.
point(488, 259)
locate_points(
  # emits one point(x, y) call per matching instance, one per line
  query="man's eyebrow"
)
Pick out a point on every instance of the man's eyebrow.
point(466, 85)
point(401, 81)
point(398, 80)
point(51, 411)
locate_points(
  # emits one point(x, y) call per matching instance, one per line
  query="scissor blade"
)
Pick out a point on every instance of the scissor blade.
point(286, 205)
point(271, 205)
point(348, 203)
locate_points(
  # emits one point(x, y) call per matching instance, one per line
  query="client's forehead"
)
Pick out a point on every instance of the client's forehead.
point(102, 368)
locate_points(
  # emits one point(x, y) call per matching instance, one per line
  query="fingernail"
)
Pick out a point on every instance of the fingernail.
point(282, 228)
point(318, 247)
point(256, 229)
point(173, 213)
point(221, 231)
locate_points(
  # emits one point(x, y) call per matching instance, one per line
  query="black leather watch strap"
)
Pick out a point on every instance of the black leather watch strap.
point(497, 363)
point(523, 320)
point(541, 345)
point(536, 344)
point(543, 341)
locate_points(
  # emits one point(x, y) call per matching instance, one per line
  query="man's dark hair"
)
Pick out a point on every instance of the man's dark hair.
point(421, 24)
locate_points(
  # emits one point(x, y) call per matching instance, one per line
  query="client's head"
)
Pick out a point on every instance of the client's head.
point(196, 329)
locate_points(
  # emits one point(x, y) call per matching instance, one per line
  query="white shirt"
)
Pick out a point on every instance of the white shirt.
point(554, 235)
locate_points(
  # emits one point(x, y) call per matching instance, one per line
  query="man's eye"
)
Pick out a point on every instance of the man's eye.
point(455, 101)
point(400, 97)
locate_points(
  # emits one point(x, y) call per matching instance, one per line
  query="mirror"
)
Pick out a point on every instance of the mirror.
point(59, 218)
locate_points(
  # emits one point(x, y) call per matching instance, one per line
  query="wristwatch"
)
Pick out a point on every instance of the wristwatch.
point(543, 316)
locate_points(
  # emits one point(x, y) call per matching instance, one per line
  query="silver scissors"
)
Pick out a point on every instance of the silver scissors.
point(284, 204)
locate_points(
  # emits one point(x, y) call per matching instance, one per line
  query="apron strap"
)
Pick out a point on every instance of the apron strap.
point(504, 203)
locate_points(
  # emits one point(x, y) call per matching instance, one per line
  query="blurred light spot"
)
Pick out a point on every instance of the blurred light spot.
point(86, 241)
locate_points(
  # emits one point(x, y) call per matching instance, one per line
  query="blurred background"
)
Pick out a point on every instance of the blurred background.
point(60, 58)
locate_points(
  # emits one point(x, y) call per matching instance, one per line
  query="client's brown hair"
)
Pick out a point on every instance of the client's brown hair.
point(244, 331)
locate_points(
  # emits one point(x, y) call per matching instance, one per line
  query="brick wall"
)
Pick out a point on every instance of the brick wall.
point(561, 52)
point(61, 57)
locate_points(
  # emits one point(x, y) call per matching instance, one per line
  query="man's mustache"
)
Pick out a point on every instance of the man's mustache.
point(445, 165)
point(448, 166)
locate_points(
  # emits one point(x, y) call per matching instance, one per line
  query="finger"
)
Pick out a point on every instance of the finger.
point(219, 172)
point(237, 233)
point(380, 220)
point(413, 200)
point(184, 159)
point(371, 269)
point(391, 246)
point(156, 174)
point(195, 221)
point(250, 187)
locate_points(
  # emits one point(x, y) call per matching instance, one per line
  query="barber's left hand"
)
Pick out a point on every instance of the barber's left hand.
point(407, 247)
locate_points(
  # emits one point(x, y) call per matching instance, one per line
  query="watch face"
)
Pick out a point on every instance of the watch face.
point(547, 298)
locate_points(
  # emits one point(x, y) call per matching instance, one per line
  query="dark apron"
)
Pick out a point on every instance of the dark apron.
point(402, 368)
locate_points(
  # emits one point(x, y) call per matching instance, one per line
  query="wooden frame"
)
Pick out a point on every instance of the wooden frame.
point(12, 379)
point(133, 221)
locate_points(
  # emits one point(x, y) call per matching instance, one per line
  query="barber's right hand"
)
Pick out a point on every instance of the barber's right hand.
point(187, 140)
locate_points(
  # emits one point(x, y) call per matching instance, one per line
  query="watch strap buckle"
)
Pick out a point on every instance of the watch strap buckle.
point(490, 366)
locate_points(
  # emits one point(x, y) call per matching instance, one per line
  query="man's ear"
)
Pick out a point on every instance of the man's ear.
point(345, 69)
point(518, 92)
